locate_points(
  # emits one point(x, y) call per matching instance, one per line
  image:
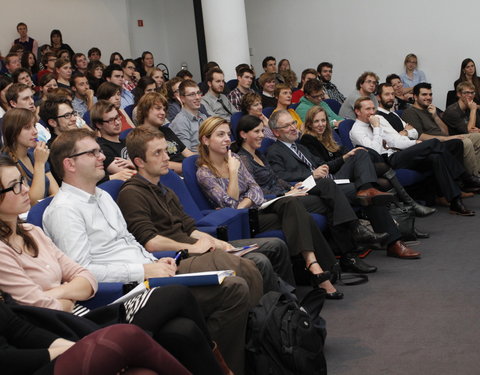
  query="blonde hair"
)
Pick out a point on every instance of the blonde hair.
point(206, 129)
point(327, 137)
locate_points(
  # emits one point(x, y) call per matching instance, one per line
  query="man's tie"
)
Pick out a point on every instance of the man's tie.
point(301, 156)
point(224, 106)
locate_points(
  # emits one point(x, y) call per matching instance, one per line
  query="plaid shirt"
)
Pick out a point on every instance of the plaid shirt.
point(333, 92)
point(235, 96)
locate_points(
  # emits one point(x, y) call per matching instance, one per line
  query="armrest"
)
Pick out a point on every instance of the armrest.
point(107, 293)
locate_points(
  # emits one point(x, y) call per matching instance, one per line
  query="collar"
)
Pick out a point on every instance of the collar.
point(379, 109)
point(82, 194)
point(190, 116)
point(267, 94)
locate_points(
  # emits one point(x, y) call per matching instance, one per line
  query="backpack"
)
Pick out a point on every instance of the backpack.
point(285, 337)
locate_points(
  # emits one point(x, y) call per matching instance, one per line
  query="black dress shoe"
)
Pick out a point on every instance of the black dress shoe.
point(423, 211)
point(419, 234)
point(362, 235)
point(356, 265)
point(457, 208)
point(317, 279)
point(334, 295)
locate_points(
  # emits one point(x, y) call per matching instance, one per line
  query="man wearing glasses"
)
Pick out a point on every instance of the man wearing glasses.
point(314, 95)
point(106, 120)
point(462, 117)
point(186, 123)
point(130, 74)
point(366, 86)
point(59, 115)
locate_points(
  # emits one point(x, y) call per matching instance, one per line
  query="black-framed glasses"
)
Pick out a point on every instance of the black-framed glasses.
point(94, 151)
point(193, 94)
point(68, 115)
point(16, 187)
point(112, 120)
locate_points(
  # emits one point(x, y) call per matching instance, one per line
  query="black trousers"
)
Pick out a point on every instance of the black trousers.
point(301, 231)
point(435, 156)
point(359, 169)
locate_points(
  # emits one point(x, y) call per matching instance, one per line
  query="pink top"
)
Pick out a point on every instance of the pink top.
point(26, 278)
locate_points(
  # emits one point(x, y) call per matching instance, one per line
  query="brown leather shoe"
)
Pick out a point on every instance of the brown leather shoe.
point(466, 195)
point(373, 196)
point(399, 250)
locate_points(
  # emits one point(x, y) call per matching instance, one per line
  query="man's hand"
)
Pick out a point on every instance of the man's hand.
point(321, 171)
point(222, 245)
point(432, 110)
point(203, 245)
point(472, 106)
point(123, 163)
point(374, 121)
point(123, 175)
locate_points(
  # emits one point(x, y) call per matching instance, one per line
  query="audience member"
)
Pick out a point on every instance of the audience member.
point(29, 61)
point(468, 72)
point(48, 61)
point(151, 112)
point(267, 82)
point(314, 95)
point(251, 104)
point(94, 54)
point(145, 85)
point(463, 117)
point(283, 94)
point(5, 83)
point(174, 103)
point(95, 75)
point(148, 63)
point(412, 76)
point(22, 75)
point(58, 115)
point(116, 58)
point(130, 74)
point(20, 143)
point(283, 65)
point(402, 100)
point(47, 85)
point(111, 92)
point(158, 76)
point(84, 98)
point(186, 123)
point(398, 143)
point(56, 43)
point(324, 71)
point(366, 86)
point(63, 71)
point(424, 118)
point(269, 65)
point(12, 63)
point(184, 74)
point(290, 78)
point(307, 75)
point(63, 54)
point(245, 79)
point(216, 103)
point(80, 63)
point(28, 44)
point(114, 74)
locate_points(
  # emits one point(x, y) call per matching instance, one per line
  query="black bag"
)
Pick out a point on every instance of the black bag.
point(404, 217)
point(285, 338)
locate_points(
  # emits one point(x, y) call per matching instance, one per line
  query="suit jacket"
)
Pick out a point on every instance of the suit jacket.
point(287, 165)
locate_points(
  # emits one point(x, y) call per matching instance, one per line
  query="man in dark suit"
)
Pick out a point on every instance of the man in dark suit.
point(294, 162)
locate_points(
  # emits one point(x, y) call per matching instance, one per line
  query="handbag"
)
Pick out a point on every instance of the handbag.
point(404, 217)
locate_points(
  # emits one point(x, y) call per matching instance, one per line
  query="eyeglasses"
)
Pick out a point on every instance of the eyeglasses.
point(16, 187)
point(293, 124)
point(371, 81)
point(321, 95)
point(192, 94)
point(94, 152)
point(468, 92)
point(112, 120)
point(68, 115)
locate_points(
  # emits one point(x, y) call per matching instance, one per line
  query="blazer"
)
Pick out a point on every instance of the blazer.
point(287, 165)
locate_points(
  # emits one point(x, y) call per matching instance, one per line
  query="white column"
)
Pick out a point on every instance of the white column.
point(226, 36)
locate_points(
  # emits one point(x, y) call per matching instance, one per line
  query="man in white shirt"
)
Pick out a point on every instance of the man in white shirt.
point(85, 223)
point(375, 132)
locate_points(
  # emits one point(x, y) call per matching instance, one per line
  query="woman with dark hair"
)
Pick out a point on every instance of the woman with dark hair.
point(95, 74)
point(318, 138)
point(468, 72)
point(56, 43)
point(20, 143)
point(5, 83)
point(116, 58)
point(170, 314)
point(23, 75)
point(251, 104)
point(173, 97)
point(283, 65)
point(47, 85)
point(148, 64)
point(145, 84)
point(112, 93)
point(29, 61)
point(227, 183)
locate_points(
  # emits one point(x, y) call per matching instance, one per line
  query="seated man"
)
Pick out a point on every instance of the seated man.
point(307, 75)
point(292, 162)
point(324, 70)
point(314, 95)
point(88, 226)
point(59, 116)
point(12, 63)
point(84, 98)
point(216, 103)
point(424, 118)
point(151, 111)
point(366, 86)
point(401, 147)
point(154, 215)
point(114, 74)
point(185, 125)
point(463, 117)
point(104, 117)
point(245, 80)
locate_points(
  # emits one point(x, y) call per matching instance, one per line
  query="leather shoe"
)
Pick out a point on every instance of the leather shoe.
point(464, 194)
point(362, 235)
point(334, 295)
point(317, 279)
point(457, 208)
point(419, 234)
point(423, 211)
point(374, 197)
point(356, 265)
point(471, 184)
point(399, 250)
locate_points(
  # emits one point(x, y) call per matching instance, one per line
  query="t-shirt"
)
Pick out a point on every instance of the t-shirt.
point(112, 150)
point(457, 119)
point(421, 120)
point(175, 146)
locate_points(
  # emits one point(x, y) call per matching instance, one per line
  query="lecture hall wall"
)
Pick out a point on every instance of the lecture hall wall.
point(354, 35)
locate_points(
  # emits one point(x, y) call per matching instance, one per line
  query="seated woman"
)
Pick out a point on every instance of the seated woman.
point(251, 104)
point(412, 75)
point(94, 75)
point(157, 75)
point(20, 143)
point(112, 93)
point(468, 72)
point(283, 93)
point(63, 70)
point(319, 140)
point(126, 349)
point(145, 85)
point(267, 82)
point(227, 183)
point(170, 313)
point(47, 85)
point(5, 83)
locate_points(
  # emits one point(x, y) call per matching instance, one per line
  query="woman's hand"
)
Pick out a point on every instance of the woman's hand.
point(233, 163)
point(41, 153)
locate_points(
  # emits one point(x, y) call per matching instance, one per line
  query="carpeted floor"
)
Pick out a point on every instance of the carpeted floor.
point(414, 316)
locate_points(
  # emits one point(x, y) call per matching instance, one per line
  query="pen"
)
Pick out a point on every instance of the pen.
point(177, 258)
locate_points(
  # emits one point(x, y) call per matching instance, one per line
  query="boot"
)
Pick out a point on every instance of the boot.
point(420, 210)
point(218, 356)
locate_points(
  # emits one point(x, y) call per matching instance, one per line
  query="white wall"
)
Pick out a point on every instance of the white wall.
point(84, 24)
point(367, 35)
